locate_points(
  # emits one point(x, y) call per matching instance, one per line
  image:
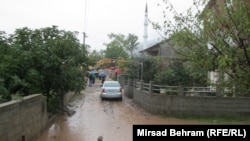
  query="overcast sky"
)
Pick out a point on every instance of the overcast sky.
point(97, 18)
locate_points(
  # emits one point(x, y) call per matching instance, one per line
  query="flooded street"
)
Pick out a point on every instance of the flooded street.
point(111, 119)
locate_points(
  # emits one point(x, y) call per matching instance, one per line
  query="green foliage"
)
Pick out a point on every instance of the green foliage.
point(53, 104)
point(213, 38)
point(41, 61)
point(4, 93)
point(150, 69)
point(95, 56)
point(119, 44)
point(113, 51)
point(131, 43)
point(176, 73)
point(133, 69)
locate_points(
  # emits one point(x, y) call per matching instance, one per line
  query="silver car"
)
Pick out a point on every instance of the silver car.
point(111, 90)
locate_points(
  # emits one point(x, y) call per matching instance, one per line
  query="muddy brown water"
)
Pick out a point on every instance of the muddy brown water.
point(111, 119)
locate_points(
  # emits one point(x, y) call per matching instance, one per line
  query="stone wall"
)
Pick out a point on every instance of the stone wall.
point(23, 119)
point(191, 105)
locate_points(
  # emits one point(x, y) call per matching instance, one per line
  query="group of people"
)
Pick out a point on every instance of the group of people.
point(101, 74)
point(91, 78)
point(114, 72)
point(92, 74)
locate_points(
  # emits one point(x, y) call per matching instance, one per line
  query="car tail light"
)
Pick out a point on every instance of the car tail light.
point(103, 90)
point(120, 89)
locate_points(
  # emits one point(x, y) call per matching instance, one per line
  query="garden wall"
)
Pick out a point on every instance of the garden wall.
point(190, 105)
point(23, 119)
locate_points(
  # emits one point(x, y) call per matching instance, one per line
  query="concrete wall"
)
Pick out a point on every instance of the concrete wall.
point(68, 97)
point(128, 91)
point(25, 118)
point(191, 105)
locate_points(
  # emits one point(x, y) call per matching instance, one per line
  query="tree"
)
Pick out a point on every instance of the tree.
point(46, 60)
point(131, 43)
point(116, 48)
point(94, 57)
point(6, 57)
point(214, 36)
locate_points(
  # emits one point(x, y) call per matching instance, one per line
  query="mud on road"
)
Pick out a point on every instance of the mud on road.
point(111, 119)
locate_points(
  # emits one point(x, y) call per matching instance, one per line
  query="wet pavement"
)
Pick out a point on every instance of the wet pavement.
point(109, 118)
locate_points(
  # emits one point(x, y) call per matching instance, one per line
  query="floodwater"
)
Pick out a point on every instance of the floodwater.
point(113, 120)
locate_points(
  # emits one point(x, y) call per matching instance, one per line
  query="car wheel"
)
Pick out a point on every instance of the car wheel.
point(120, 99)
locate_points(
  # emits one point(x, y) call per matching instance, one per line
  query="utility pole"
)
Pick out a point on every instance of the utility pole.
point(84, 36)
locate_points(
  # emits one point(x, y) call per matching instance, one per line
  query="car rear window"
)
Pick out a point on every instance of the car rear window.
point(111, 85)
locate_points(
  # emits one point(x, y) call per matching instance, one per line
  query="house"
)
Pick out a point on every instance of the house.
point(163, 49)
